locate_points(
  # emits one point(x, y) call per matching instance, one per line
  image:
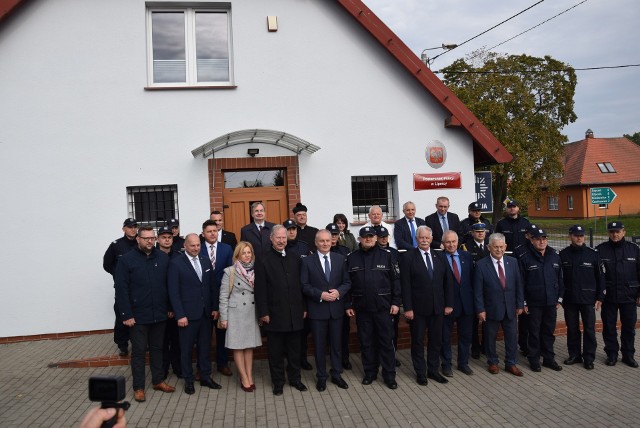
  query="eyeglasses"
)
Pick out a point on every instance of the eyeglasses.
point(147, 238)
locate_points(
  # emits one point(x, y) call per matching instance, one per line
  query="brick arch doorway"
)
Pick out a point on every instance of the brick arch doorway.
point(235, 202)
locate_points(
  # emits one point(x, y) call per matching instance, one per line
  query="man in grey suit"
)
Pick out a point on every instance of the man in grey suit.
point(499, 297)
point(325, 281)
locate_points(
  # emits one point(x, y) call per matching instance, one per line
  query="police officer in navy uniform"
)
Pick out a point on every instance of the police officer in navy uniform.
point(171, 345)
point(513, 226)
point(382, 234)
point(375, 298)
point(621, 259)
point(541, 269)
point(475, 216)
point(117, 249)
point(334, 230)
point(178, 241)
point(523, 318)
point(583, 295)
point(476, 245)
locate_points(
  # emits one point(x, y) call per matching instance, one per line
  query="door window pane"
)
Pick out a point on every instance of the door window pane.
point(247, 179)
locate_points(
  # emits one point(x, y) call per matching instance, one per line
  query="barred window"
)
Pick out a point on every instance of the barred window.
point(373, 190)
point(153, 205)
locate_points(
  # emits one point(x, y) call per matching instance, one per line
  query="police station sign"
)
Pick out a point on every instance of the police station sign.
point(445, 180)
point(484, 192)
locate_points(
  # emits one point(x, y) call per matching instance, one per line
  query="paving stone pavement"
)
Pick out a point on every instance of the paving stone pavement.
point(33, 395)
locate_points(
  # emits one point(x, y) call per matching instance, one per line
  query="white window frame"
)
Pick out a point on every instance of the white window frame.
point(190, 10)
point(537, 204)
point(552, 203)
point(570, 202)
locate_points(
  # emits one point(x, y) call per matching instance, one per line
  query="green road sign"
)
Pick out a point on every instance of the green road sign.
point(602, 195)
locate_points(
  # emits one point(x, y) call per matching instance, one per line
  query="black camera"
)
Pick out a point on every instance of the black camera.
point(109, 390)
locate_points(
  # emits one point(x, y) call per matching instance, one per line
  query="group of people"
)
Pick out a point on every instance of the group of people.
point(291, 280)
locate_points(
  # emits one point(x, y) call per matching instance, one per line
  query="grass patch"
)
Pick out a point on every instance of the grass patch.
point(631, 224)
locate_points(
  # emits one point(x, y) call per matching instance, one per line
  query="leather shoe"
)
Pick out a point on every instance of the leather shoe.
point(306, 365)
point(321, 385)
point(552, 365)
point(346, 364)
point(572, 360)
point(437, 377)
point(138, 395)
point(611, 361)
point(391, 384)
point(164, 387)
point(124, 351)
point(446, 371)
point(189, 388)
point(493, 369)
point(339, 382)
point(466, 370)
point(398, 363)
point(422, 380)
point(225, 371)
point(535, 367)
point(630, 362)
point(210, 383)
point(514, 371)
point(588, 366)
point(247, 388)
point(277, 390)
point(368, 380)
point(299, 386)
point(475, 354)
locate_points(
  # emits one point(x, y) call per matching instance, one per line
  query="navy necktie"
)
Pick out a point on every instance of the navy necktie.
point(429, 266)
point(327, 268)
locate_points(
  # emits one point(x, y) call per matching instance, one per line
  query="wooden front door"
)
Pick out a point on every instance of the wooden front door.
point(237, 205)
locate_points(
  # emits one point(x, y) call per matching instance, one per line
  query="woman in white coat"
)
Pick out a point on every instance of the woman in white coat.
point(238, 312)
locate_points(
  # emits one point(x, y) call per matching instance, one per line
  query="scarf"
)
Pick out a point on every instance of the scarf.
point(246, 271)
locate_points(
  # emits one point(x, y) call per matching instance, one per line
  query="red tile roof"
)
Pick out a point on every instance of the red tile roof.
point(486, 148)
point(581, 160)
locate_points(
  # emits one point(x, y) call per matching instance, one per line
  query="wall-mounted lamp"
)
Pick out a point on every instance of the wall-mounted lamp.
point(253, 152)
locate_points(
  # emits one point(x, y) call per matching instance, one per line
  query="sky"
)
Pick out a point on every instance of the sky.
point(596, 33)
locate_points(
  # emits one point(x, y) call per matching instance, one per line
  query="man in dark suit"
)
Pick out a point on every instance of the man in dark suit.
point(427, 296)
point(220, 255)
point(499, 297)
point(280, 307)
point(192, 293)
point(461, 265)
point(305, 233)
point(324, 283)
point(441, 221)
point(228, 238)
point(404, 230)
point(258, 231)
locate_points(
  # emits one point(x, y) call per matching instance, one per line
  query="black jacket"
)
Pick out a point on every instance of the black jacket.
point(542, 277)
point(513, 231)
point(375, 280)
point(141, 286)
point(279, 291)
point(583, 275)
point(622, 270)
point(117, 249)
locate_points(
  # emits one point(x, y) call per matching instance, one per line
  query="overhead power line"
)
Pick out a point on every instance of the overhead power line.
point(486, 31)
point(540, 71)
point(535, 26)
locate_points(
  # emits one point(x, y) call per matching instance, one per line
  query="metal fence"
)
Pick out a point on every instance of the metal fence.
point(558, 237)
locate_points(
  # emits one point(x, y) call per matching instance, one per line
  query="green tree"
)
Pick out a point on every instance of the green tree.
point(524, 101)
point(635, 137)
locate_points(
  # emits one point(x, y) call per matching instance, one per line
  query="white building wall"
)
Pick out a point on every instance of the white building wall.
point(77, 128)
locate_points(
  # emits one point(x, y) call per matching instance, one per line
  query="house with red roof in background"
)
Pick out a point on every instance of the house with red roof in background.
point(595, 163)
